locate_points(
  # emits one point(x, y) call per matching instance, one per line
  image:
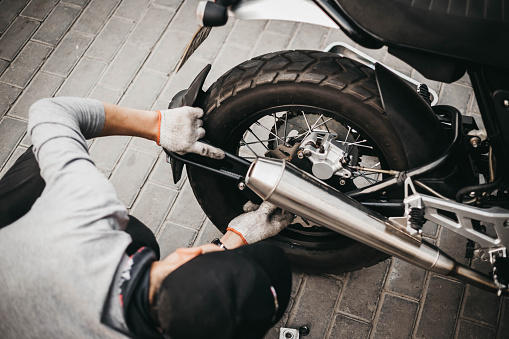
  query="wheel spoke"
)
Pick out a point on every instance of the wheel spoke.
point(250, 130)
point(259, 124)
point(248, 147)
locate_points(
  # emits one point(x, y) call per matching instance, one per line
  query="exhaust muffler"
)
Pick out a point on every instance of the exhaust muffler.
point(294, 190)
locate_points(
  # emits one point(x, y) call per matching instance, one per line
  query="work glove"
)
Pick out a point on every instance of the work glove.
point(181, 128)
point(260, 222)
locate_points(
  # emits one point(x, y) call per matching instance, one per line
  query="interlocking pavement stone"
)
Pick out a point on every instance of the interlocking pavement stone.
point(180, 80)
point(233, 55)
point(309, 37)
point(8, 95)
point(9, 9)
point(11, 132)
point(39, 9)
point(152, 205)
point(454, 95)
point(95, 15)
point(150, 27)
point(81, 3)
point(315, 305)
point(106, 152)
point(362, 291)
point(105, 94)
point(168, 51)
point(503, 331)
point(453, 244)
point(281, 27)
point(3, 65)
point(186, 210)
point(67, 54)
point(242, 29)
point(83, 77)
point(12, 159)
point(131, 173)
point(209, 48)
point(43, 85)
point(145, 145)
point(396, 318)
point(440, 310)
point(271, 42)
point(13, 40)
point(144, 90)
point(479, 305)
point(131, 9)
point(346, 327)
point(169, 3)
point(162, 174)
point(110, 39)
point(174, 236)
point(406, 279)
point(57, 24)
point(468, 330)
point(26, 64)
point(124, 67)
point(185, 19)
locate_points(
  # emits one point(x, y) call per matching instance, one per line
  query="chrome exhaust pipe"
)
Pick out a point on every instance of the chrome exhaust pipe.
point(294, 190)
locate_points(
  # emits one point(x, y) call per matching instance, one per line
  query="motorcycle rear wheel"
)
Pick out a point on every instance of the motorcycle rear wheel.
point(306, 88)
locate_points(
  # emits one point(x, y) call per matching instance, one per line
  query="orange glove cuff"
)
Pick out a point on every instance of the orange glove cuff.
point(158, 128)
point(238, 233)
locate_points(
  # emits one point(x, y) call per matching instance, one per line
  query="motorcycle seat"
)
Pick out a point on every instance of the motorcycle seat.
point(472, 31)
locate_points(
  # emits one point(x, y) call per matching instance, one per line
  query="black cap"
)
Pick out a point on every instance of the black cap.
point(240, 293)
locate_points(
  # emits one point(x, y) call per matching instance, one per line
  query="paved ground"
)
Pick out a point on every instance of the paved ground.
point(125, 52)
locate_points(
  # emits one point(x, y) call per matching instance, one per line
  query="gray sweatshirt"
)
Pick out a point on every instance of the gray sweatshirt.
point(59, 261)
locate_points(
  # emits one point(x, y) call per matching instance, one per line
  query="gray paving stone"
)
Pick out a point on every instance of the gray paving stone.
point(468, 330)
point(378, 54)
point(315, 305)
point(480, 305)
point(503, 331)
point(186, 210)
point(105, 94)
point(243, 32)
point(151, 27)
point(309, 37)
point(185, 18)
point(144, 90)
point(168, 51)
point(270, 42)
point(406, 279)
point(67, 53)
point(454, 245)
point(440, 309)
point(3, 65)
point(153, 204)
point(337, 35)
point(57, 24)
point(456, 95)
point(81, 3)
point(38, 9)
point(207, 233)
point(43, 85)
point(163, 175)
point(131, 173)
point(131, 9)
point(396, 319)
point(169, 3)
point(430, 229)
point(345, 327)
point(174, 236)
point(11, 132)
point(146, 145)
point(12, 159)
point(94, 16)
point(362, 291)
point(8, 95)
point(279, 26)
point(23, 68)
point(123, 68)
point(26, 141)
point(106, 151)
point(83, 77)
point(13, 40)
point(9, 9)
point(109, 41)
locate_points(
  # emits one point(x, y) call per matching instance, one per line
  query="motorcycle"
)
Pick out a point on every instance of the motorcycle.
point(361, 155)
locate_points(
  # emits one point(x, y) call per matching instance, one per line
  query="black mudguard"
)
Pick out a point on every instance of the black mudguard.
point(188, 97)
point(418, 127)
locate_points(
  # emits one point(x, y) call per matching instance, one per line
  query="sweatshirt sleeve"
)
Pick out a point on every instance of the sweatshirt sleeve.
point(59, 128)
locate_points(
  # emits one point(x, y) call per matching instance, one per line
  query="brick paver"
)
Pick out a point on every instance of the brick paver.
point(125, 51)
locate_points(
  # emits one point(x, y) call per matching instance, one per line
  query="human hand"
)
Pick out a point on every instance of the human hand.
point(181, 128)
point(260, 222)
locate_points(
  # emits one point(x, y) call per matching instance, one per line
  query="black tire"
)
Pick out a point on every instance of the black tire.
point(312, 82)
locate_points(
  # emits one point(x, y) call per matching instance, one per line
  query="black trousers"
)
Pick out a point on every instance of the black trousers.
point(22, 184)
